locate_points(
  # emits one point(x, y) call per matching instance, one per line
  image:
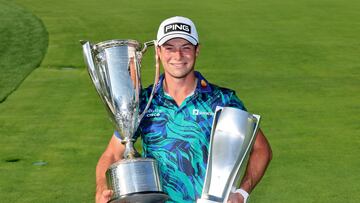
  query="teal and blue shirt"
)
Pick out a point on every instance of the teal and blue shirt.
point(178, 136)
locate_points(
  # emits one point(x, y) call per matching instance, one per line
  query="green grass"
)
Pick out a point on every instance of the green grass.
point(47, 129)
point(23, 42)
point(294, 63)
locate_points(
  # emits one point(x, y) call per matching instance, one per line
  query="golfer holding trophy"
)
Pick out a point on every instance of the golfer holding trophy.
point(199, 144)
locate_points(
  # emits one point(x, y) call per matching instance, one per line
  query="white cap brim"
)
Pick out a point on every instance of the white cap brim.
point(168, 37)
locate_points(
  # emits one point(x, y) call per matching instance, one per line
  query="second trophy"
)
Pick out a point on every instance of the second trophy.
point(114, 67)
point(232, 138)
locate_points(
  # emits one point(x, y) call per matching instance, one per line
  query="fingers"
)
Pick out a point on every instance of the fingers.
point(107, 193)
point(105, 196)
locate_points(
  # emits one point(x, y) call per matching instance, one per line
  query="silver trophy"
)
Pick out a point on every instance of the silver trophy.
point(232, 137)
point(114, 67)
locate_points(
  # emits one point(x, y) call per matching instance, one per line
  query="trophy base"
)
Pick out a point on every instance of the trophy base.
point(135, 181)
point(141, 197)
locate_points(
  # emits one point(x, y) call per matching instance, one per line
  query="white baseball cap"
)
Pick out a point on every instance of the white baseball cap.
point(177, 27)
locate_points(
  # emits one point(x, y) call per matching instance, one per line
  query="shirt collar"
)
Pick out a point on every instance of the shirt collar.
point(202, 86)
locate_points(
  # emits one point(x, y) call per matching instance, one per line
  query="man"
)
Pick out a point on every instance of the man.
point(176, 129)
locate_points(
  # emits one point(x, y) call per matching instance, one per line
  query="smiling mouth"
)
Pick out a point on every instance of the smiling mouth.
point(178, 64)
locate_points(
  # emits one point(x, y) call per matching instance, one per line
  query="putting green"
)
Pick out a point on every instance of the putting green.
point(23, 43)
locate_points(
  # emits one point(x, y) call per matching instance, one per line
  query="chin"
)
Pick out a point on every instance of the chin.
point(181, 74)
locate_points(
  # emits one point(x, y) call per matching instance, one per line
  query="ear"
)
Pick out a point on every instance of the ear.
point(197, 51)
point(158, 51)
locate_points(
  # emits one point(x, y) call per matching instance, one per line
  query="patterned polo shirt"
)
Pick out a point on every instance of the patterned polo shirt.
point(178, 136)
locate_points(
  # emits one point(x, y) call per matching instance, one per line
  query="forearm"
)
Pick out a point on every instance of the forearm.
point(113, 153)
point(260, 158)
point(257, 165)
point(103, 164)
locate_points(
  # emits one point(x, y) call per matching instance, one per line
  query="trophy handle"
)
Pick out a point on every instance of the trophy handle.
point(241, 171)
point(89, 60)
point(208, 172)
point(216, 117)
point(156, 79)
point(94, 75)
point(147, 44)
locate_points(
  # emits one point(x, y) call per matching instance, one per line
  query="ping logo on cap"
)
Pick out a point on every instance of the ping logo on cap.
point(177, 27)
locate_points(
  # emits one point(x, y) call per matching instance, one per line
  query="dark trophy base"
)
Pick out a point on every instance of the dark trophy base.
point(141, 197)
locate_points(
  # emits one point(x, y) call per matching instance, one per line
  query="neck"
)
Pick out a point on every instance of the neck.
point(179, 88)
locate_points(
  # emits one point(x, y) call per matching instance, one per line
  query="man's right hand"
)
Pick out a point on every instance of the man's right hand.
point(113, 153)
point(104, 197)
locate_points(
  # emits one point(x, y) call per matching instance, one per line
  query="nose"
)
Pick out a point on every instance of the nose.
point(178, 54)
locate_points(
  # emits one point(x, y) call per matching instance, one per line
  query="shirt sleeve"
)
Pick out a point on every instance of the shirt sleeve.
point(117, 134)
point(236, 102)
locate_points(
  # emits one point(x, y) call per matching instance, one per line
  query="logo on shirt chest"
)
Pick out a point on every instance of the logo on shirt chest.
point(153, 113)
point(197, 112)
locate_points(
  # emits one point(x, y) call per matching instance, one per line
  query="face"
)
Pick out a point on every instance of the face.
point(178, 57)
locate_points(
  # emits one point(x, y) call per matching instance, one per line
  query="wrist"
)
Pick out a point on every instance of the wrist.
point(242, 192)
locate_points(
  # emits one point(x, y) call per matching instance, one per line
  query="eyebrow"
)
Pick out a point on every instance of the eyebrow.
point(186, 44)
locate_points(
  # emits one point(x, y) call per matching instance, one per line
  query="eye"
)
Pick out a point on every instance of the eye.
point(186, 48)
point(168, 48)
